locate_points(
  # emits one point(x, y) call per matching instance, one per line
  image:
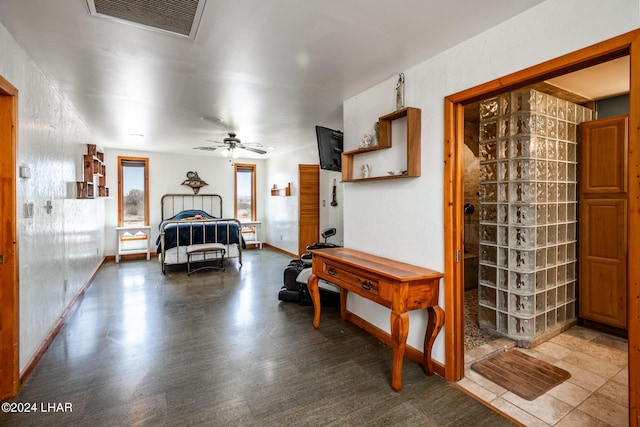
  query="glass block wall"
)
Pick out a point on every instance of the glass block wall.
point(528, 201)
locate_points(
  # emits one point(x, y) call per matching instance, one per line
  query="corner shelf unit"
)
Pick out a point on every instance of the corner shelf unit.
point(284, 191)
point(414, 119)
point(93, 168)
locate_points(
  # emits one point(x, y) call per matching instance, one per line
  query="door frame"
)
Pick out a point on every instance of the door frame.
point(623, 45)
point(9, 304)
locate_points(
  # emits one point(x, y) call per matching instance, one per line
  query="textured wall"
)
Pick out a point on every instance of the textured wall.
point(58, 250)
point(409, 212)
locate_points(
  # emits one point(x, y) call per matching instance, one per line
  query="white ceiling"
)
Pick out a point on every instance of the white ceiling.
point(271, 69)
point(597, 82)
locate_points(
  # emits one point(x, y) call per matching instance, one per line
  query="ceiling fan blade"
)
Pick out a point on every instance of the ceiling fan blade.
point(232, 142)
point(255, 150)
point(206, 148)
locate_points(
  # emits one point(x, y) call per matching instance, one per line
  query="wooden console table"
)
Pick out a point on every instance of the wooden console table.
point(396, 285)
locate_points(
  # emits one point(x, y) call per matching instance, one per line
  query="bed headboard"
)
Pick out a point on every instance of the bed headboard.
point(171, 204)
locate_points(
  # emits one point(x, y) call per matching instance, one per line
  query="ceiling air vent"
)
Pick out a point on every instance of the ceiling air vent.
point(175, 16)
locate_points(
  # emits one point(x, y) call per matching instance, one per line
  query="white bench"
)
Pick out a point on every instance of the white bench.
point(204, 249)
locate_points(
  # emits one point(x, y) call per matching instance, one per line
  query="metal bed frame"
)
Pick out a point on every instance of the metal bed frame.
point(172, 204)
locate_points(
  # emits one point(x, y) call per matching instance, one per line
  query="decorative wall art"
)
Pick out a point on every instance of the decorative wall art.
point(194, 181)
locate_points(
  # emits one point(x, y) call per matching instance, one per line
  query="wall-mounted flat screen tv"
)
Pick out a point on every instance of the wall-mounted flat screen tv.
point(329, 148)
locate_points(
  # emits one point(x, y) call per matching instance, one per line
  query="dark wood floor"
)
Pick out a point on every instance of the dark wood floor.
point(218, 348)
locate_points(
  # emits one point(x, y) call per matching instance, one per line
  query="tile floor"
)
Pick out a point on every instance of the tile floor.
point(595, 395)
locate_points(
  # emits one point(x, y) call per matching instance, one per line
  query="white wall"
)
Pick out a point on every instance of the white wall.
point(282, 225)
point(166, 174)
point(58, 251)
point(332, 216)
point(407, 214)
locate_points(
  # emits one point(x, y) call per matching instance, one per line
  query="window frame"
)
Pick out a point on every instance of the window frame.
point(254, 203)
point(121, 160)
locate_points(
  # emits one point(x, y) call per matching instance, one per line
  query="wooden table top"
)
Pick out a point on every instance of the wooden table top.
point(386, 267)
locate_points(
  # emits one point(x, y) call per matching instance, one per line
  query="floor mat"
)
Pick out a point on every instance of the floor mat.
point(521, 374)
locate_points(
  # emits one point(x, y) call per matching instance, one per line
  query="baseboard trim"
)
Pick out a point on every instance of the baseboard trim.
point(42, 348)
point(275, 248)
point(411, 352)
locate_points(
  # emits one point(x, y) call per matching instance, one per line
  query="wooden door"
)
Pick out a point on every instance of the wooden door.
point(8, 251)
point(309, 206)
point(602, 235)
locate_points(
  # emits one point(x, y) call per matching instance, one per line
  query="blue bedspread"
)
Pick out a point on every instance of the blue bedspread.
point(192, 233)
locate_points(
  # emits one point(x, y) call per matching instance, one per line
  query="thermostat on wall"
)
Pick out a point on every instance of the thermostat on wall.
point(25, 172)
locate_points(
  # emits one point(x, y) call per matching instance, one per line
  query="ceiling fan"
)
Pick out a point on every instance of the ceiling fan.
point(232, 145)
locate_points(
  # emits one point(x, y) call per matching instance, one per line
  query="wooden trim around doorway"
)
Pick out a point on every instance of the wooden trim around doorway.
point(633, 224)
point(625, 44)
point(9, 293)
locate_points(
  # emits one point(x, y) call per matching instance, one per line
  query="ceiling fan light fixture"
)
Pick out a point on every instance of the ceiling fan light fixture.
point(232, 146)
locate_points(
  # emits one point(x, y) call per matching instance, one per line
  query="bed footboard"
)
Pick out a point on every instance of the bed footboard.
point(176, 235)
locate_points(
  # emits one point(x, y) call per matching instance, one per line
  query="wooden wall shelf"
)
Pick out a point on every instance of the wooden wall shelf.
point(93, 167)
point(284, 191)
point(414, 123)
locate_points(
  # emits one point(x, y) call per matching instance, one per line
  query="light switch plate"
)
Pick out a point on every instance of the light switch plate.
point(27, 210)
point(25, 172)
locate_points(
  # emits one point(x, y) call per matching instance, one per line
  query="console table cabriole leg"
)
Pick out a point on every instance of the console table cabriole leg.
point(434, 325)
point(312, 285)
point(399, 332)
point(343, 303)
